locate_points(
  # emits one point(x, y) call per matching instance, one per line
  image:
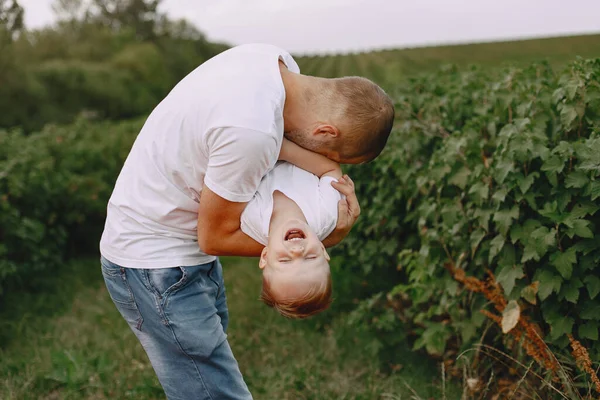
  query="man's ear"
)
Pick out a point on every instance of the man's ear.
point(326, 254)
point(326, 131)
point(263, 259)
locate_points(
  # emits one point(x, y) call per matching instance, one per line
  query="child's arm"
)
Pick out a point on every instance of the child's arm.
point(309, 160)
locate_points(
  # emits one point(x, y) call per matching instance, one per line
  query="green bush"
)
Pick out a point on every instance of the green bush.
point(54, 187)
point(56, 74)
point(484, 169)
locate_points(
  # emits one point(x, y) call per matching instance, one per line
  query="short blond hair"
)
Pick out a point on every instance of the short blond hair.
point(368, 111)
point(316, 300)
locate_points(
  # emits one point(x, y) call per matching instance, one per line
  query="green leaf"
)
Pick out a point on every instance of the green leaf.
point(570, 291)
point(590, 310)
point(594, 190)
point(549, 283)
point(496, 245)
point(476, 238)
point(584, 209)
point(483, 216)
point(507, 255)
point(523, 232)
point(526, 183)
point(568, 114)
point(550, 210)
point(508, 276)
point(434, 338)
point(503, 168)
point(558, 95)
point(563, 198)
point(504, 218)
point(564, 262)
point(589, 330)
point(500, 195)
point(529, 253)
point(554, 164)
point(460, 178)
point(552, 178)
point(537, 242)
point(592, 284)
point(585, 247)
point(530, 292)
point(481, 191)
point(580, 227)
point(588, 155)
point(561, 326)
point(576, 179)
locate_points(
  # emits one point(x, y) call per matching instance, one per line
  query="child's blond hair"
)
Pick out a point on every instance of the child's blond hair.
point(317, 299)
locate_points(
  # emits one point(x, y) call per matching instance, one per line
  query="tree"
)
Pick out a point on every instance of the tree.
point(71, 10)
point(139, 15)
point(11, 19)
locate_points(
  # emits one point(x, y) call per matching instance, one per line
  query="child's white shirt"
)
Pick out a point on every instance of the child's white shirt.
point(317, 199)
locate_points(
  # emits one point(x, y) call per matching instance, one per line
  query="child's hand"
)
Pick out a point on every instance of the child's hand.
point(348, 211)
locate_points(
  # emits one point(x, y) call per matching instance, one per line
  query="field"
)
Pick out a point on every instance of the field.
point(484, 202)
point(389, 66)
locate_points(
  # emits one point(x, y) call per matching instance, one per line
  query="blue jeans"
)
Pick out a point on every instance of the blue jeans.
point(180, 317)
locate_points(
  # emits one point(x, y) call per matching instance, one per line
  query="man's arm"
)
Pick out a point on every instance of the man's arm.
point(219, 232)
point(237, 160)
point(308, 160)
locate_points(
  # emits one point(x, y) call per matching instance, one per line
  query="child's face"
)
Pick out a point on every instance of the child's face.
point(294, 259)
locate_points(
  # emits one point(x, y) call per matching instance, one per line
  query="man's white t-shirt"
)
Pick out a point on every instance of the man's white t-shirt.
point(222, 126)
point(317, 199)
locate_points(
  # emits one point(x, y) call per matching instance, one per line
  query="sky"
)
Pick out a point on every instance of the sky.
point(333, 26)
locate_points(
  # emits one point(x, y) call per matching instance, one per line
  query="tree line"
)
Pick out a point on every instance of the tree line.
point(108, 59)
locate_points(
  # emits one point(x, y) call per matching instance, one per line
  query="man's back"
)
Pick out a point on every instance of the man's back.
point(200, 133)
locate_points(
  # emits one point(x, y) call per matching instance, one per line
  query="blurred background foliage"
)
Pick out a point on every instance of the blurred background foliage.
point(105, 59)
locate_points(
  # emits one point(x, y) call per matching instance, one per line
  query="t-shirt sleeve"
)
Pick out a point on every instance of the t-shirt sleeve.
point(237, 160)
point(329, 198)
point(251, 222)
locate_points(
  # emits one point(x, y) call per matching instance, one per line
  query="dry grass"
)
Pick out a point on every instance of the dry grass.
point(552, 378)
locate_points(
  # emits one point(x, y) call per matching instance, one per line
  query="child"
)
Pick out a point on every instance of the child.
point(292, 211)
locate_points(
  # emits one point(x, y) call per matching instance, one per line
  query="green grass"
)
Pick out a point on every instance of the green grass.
point(67, 341)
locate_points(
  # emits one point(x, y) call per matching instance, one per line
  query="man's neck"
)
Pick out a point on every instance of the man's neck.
point(284, 209)
point(295, 109)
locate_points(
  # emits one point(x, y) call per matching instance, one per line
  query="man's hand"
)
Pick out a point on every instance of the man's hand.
point(348, 211)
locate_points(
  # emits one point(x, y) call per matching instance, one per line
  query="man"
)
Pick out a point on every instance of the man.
point(178, 200)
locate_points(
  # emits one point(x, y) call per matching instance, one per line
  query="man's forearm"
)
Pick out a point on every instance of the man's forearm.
point(232, 244)
point(333, 239)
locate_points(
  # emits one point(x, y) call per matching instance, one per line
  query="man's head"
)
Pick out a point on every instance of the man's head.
point(346, 119)
point(296, 276)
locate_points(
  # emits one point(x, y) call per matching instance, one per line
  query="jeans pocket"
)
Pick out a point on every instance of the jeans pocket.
point(215, 274)
point(109, 269)
point(164, 281)
point(117, 284)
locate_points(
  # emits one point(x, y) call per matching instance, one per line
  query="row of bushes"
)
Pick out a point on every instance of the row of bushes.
point(54, 187)
point(486, 169)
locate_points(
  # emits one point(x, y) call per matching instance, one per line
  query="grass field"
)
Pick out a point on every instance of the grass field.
point(390, 65)
point(70, 343)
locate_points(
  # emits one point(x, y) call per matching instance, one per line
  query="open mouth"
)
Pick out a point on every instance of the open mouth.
point(294, 235)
